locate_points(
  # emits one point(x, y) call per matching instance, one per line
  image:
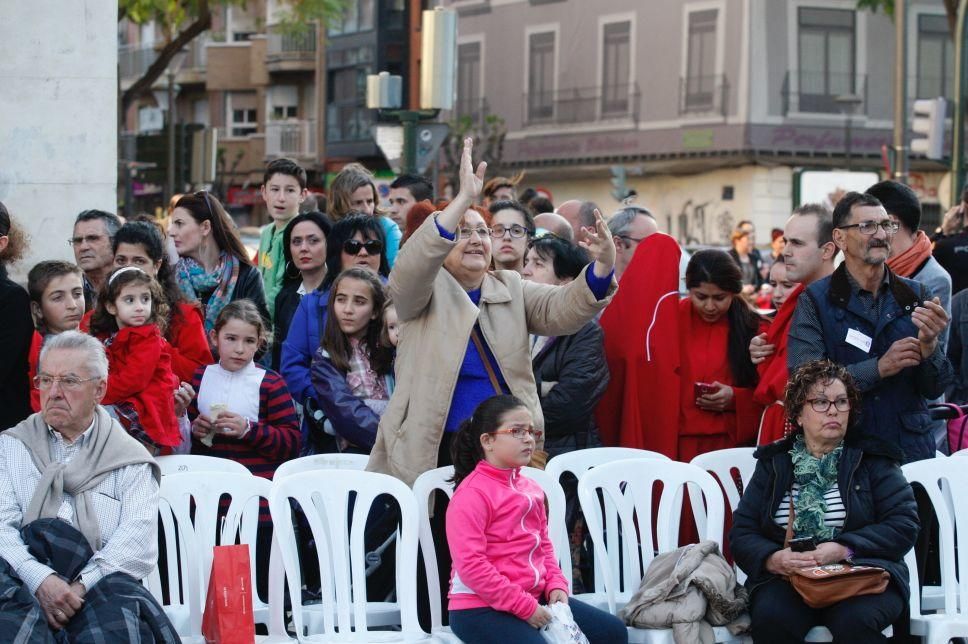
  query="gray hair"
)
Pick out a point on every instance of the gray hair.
point(97, 360)
point(621, 220)
point(112, 224)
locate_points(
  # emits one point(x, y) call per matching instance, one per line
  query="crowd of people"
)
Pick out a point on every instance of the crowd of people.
point(487, 332)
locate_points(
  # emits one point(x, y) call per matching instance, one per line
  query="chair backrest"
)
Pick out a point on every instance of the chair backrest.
point(946, 483)
point(580, 461)
point(181, 463)
point(321, 462)
point(627, 489)
point(557, 527)
point(336, 504)
point(197, 501)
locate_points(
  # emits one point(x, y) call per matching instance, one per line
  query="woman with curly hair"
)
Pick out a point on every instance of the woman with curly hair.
point(16, 327)
point(848, 502)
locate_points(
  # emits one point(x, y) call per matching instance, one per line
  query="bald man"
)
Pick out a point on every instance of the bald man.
point(580, 214)
point(556, 224)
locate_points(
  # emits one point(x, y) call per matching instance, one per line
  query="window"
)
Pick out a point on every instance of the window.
point(469, 79)
point(347, 116)
point(826, 46)
point(242, 23)
point(701, 60)
point(359, 16)
point(283, 102)
point(242, 113)
point(935, 57)
point(200, 111)
point(616, 67)
point(541, 75)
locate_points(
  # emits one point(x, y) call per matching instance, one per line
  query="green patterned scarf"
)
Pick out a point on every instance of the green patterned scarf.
point(814, 476)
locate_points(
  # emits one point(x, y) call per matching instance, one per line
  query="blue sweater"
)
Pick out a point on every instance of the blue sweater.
point(473, 385)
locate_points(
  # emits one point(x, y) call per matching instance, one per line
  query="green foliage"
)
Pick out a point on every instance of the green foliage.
point(887, 6)
point(488, 131)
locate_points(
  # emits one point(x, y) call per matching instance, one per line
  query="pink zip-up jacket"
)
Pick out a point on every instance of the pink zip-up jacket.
point(498, 535)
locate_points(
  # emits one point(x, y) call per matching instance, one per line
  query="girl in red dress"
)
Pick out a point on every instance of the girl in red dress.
point(129, 318)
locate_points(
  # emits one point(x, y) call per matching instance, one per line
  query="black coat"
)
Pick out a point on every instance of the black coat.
point(16, 333)
point(577, 363)
point(249, 286)
point(287, 301)
point(881, 525)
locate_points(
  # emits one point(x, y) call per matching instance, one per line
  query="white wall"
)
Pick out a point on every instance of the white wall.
point(58, 117)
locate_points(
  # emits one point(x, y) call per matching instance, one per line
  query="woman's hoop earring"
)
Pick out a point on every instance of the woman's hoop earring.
point(288, 274)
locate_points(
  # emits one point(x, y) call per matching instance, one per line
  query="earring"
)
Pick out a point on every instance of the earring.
point(787, 428)
point(287, 273)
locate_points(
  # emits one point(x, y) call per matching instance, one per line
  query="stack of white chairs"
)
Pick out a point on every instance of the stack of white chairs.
point(946, 483)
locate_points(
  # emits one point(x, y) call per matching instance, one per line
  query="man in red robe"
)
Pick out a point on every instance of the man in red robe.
point(643, 311)
point(809, 255)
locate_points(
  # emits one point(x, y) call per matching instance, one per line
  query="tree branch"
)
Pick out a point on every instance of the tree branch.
point(143, 85)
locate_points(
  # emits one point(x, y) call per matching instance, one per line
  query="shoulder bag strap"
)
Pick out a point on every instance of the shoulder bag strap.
point(491, 374)
point(789, 530)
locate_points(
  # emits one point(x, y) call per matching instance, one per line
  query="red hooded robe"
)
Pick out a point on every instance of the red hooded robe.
point(773, 373)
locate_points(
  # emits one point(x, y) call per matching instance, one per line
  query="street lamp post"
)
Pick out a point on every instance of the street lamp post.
point(848, 104)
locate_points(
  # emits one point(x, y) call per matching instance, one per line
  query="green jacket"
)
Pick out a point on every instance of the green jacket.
point(272, 264)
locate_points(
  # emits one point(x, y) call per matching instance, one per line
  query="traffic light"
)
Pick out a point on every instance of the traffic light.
point(928, 119)
point(620, 187)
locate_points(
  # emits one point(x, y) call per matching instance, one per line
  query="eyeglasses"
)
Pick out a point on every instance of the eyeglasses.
point(354, 246)
point(481, 231)
point(821, 405)
point(516, 230)
point(68, 383)
point(90, 239)
point(889, 226)
point(520, 432)
point(629, 240)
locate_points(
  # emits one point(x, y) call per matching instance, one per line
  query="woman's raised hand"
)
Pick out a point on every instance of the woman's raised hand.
point(600, 245)
point(471, 182)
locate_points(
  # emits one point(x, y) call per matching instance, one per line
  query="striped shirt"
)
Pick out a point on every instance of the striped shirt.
point(125, 503)
point(271, 441)
point(833, 518)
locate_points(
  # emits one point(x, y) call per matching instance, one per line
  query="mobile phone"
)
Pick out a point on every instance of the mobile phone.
point(803, 544)
point(702, 388)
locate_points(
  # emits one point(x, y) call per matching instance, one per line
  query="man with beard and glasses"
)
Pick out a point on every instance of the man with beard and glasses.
point(882, 327)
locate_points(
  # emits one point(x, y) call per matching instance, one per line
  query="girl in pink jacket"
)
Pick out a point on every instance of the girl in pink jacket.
point(504, 565)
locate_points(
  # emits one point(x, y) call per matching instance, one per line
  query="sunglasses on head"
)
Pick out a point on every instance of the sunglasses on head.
point(354, 246)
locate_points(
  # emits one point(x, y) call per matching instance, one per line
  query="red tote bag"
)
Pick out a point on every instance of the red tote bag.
point(228, 615)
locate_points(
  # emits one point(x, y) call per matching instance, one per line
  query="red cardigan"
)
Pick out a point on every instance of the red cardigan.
point(33, 362)
point(187, 341)
point(139, 372)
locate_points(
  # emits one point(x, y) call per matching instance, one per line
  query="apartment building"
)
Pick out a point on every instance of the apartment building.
point(269, 92)
point(715, 107)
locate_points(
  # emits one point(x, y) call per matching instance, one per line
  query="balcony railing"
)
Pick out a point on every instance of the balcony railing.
point(291, 138)
point(818, 92)
point(285, 45)
point(348, 122)
point(704, 95)
point(582, 105)
point(134, 60)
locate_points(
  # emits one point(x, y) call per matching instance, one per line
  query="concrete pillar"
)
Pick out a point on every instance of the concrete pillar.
point(58, 117)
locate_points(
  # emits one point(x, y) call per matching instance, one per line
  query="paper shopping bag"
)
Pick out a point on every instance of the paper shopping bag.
point(228, 606)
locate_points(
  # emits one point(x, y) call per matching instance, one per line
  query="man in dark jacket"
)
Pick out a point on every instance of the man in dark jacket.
point(884, 328)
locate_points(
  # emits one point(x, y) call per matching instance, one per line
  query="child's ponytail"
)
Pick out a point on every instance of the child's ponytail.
point(466, 450)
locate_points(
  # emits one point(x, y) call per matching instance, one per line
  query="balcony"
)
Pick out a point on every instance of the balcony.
point(582, 105)
point(133, 62)
point(348, 123)
point(817, 92)
point(291, 138)
point(704, 95)
point(286, 52)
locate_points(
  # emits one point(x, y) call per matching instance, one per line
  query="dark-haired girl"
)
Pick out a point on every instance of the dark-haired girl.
point(129, 316)
point(304, 245)
point(716, 375)
point(352, 372)
point(141, 245)
point(354, 241)
point(504, 566)
point(214, 267)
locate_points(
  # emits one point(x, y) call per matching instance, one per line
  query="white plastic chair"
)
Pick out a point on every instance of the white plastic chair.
point(321, 462)
point(439, 479)
point(627, 489)
point(577, 463)
point(946, 484)
point(181, 463)
point(324, 497)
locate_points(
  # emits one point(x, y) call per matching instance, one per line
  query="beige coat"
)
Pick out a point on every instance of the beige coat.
point(436, 318)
